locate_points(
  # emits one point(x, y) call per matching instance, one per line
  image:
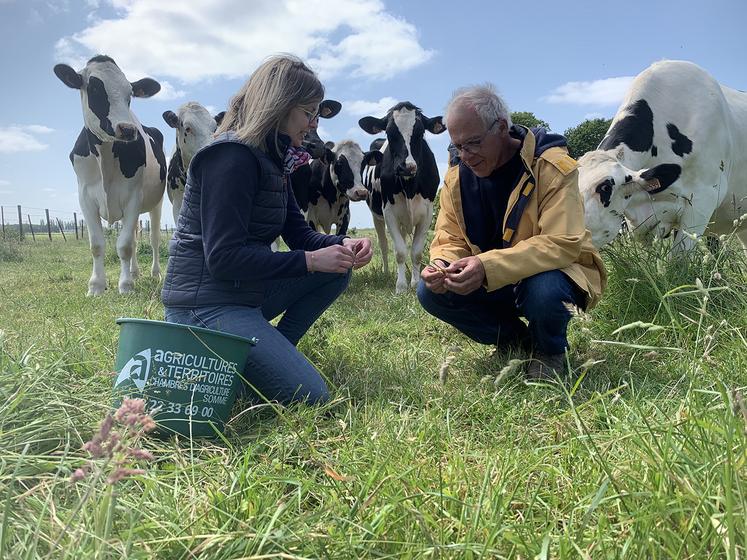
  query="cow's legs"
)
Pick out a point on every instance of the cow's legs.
point(134, 267)
point(125, 244)
point(97, 242)
point(400, 249)
point(155, 240)
point(383, 241)
point(418, 242)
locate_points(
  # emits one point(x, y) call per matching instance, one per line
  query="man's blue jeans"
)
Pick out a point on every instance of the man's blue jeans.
point(493, 317)
point(275, 367)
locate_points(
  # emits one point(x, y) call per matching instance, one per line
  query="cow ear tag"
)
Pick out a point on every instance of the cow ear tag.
point(653, 184)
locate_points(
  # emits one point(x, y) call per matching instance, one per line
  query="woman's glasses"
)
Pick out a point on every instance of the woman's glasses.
point(312, 115)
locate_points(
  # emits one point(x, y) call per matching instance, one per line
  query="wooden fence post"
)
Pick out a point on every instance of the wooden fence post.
point(82, 228)
point(20, 224)
point(75, 220)
point(31, 227)
point(140, 231)
point(2, 219)
point(49, 225)
point(62, 231)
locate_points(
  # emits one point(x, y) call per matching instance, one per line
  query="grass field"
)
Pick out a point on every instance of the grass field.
point(640, 453)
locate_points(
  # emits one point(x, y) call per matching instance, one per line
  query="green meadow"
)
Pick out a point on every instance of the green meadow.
point(432, 447)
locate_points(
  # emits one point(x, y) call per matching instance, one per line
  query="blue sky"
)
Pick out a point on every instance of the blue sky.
point(564, 61)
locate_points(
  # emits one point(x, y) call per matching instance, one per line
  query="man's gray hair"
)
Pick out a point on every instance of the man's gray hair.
point(484, 100)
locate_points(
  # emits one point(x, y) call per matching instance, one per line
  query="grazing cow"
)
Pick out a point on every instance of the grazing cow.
point(673, 159)
point(329, 199)
point(119, 163)
point(194, 129)
point(403, 179)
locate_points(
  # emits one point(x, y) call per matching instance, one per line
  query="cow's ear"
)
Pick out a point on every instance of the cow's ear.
point(147, 87)
point(372, 125)
point(659, 177)
point(329, 108)
point(329, 144)
point(68, 76)
point(434, 125)
point(219, 117)
point(171, 119)
point(372, 158)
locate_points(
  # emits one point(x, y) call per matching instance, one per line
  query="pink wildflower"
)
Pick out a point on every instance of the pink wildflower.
point(78, 475)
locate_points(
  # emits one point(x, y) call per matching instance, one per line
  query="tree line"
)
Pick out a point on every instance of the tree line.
point(581, 139)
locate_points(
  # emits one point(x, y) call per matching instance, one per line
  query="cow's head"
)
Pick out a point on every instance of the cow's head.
point(194, 128)
point(105, 95)
point(312, 143)
point(611, 192)
point(404, 125)
point(345, 166)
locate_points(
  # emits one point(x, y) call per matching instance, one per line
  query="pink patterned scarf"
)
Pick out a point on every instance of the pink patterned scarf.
point(295, 158)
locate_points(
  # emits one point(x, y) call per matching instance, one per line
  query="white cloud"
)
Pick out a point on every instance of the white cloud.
point(6, 192)
point(609, 91)
point(49, 190)
point(201, 39)
point(38, 129)
point(169, 92)
point(365, 108)
point(4, 183)
point(20, 139)
point(593, 115)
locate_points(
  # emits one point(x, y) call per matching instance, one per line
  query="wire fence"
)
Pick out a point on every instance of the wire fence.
point(27, 223)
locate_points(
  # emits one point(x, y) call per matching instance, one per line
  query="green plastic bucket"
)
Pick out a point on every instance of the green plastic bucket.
point(187, 375)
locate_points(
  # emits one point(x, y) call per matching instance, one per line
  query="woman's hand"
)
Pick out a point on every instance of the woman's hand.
point(335, 258)
point(362, 250)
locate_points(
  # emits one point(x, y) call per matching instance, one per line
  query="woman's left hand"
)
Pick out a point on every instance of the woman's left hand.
point(361, 249)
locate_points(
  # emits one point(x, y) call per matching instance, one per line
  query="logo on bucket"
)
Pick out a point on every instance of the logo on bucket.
point(137, 369)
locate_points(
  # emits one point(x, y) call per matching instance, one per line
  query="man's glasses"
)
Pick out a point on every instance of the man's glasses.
point(473, 146)
point(312, 115)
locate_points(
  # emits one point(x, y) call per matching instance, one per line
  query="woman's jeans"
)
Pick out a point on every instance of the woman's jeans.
point(493, 317)
point(275, 367)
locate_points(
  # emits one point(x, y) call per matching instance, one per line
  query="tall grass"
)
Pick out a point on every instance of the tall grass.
point(640, 453)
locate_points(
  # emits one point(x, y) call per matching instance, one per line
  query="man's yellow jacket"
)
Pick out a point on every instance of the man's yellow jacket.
point(543, 229)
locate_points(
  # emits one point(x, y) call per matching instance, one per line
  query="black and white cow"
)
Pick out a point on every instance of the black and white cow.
point(119, 163)
point(340, 183)
point(673, 160)
point(194, 127)
point(402, 176)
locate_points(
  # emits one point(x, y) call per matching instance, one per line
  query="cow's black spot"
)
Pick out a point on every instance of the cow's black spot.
point(604, 189)
point(654, 151)
point(177, 176)
point(628, 178)
point(131, 155)
point(98, 102)
point(635, 130)
point(345, 177)
point(301, 180)
point(156, 144)
point(681, 144)
point(85, 144)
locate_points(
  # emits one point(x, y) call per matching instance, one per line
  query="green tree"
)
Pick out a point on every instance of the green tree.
point(586, 136)
point(528, 119)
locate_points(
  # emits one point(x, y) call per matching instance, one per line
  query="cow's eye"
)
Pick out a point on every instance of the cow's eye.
point(188, 130)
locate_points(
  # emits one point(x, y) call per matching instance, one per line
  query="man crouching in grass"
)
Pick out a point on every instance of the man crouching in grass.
point(510, 238)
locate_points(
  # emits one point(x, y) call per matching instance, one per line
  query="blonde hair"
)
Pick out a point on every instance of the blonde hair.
point(281, 83)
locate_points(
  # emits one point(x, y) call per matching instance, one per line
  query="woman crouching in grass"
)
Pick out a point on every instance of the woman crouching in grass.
point(222, 273)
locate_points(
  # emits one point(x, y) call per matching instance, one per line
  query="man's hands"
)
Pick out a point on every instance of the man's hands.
point(353, 253)
point(462, 277)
